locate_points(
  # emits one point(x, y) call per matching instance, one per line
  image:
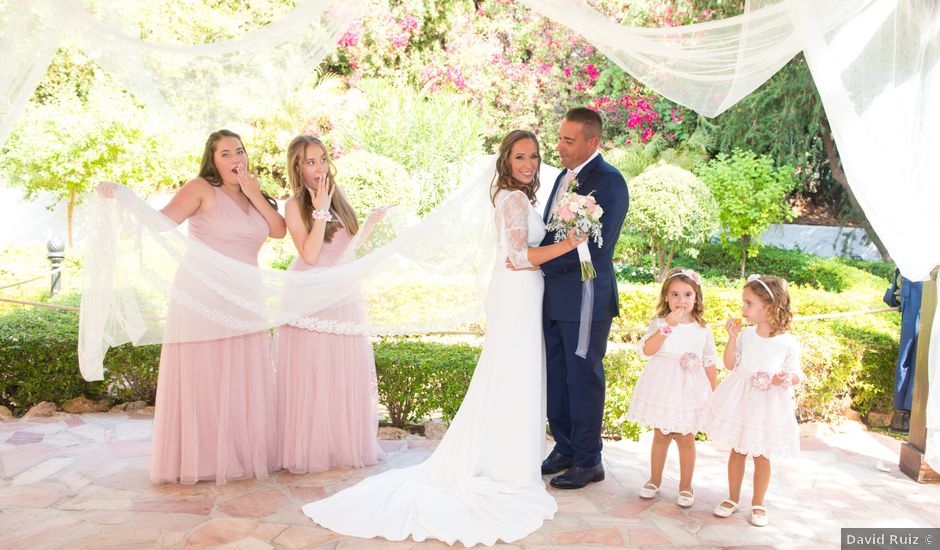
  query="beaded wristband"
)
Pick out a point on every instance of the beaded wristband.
point(324, 215)
point(666, 329)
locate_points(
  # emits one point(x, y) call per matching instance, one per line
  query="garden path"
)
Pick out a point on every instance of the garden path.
point(80, 481)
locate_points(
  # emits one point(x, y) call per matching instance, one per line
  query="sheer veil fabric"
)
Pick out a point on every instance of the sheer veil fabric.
point(875, 63)
point(483, 482)
point(428, 275)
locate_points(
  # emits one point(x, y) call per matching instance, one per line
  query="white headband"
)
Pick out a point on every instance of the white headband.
point(690, 274)
point(757, 278)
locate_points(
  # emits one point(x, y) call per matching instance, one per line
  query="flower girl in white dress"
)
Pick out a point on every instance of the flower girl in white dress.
point(752, 409)
point(671, 392)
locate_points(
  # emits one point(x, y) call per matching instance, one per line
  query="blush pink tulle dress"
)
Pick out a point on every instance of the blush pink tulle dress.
point(215, 412)
point(327, 400)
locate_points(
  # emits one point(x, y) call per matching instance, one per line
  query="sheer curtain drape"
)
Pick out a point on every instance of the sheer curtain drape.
point(874, 62)
point(200, 88)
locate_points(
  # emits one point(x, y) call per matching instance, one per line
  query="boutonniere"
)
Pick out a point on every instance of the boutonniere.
point(573, 184)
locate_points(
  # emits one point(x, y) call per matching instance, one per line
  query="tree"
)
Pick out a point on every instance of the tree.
point(785, 119)
point(673, 208)
point(67, 145)
point(751, 195)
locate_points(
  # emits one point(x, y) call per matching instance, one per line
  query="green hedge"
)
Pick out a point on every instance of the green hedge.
point(417, 378)
point(848, 362)
point(634, 265)
point(39, 362)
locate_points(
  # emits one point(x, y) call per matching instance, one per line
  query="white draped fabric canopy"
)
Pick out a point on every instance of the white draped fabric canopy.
point(875, 63)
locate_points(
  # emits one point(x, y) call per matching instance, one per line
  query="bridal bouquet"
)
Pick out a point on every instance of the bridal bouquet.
point(580, 212)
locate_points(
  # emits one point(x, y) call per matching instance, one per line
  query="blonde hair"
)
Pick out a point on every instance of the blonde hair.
point(504, 179)
point(774, 293)
point(340, 204)
point(698, 309)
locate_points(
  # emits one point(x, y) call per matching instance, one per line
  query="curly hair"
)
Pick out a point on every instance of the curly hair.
point(698, 310)
point(778, 300)
point(504, 179)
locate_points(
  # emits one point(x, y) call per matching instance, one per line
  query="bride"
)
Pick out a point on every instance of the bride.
point(483, 482)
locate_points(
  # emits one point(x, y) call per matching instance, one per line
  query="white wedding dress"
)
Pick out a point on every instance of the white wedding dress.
point(483, 482)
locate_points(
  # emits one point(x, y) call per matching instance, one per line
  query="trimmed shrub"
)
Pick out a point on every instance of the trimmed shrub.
point(39, 362)
point(674, 209)
point(416, 378)
point(622, 368)
point(371, 180)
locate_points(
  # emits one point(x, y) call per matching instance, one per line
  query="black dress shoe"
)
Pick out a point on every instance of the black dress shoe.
point(555, 463)
point(578, 476)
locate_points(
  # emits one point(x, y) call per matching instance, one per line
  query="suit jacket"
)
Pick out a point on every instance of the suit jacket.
point(563, 274)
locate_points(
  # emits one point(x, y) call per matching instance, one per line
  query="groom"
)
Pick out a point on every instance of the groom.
point(575, 385)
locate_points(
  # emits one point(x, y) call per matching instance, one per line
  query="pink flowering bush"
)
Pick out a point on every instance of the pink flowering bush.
point(517, 68)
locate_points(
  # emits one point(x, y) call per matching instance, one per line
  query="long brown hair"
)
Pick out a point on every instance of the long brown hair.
point(778, 299)
point(698, 310)
point(504, 179)
point(339, 206)
point(207, 169)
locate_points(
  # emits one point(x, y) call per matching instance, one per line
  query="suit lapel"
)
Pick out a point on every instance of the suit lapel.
point(551, 198)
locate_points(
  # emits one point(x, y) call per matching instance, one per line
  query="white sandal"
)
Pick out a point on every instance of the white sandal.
point(649, 491)
point(685, 499)
point(724, 511)
point(759, 520)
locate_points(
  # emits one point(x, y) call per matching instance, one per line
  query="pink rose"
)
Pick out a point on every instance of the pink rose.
point(565, 213)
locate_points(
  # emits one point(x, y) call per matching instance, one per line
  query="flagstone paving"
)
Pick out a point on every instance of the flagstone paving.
point(80, 481)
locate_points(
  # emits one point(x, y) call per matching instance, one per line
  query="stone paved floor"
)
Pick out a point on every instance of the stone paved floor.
point(81, 482)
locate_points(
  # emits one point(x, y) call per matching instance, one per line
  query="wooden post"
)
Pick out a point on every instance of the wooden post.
point(912, 453)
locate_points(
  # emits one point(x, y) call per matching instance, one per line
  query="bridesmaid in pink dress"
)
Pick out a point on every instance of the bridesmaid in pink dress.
point(326, 382)
point(215, 409)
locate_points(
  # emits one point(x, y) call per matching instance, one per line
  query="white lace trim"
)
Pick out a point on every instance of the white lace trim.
point(752, 440)
point(192, 304)
point(332, 326)
point(664, 418)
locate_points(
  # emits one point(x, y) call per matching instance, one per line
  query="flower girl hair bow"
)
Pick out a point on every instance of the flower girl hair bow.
point(690, 274)
point(754, 277)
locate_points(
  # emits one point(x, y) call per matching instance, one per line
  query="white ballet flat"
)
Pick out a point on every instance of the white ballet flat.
point(685, 499)
point(724, 511)
point(759, 520)
point(649, 491)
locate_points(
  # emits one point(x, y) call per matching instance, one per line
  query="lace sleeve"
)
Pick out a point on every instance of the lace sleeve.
point(737, 348)
point(655, 325)
point(791, 363)
point(709, 355)
point(512, 222)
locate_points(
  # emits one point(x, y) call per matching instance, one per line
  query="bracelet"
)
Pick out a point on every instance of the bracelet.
point(666, 329)
point(324, 215)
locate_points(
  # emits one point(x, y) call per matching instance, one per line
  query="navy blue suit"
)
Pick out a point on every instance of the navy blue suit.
point(576, 386)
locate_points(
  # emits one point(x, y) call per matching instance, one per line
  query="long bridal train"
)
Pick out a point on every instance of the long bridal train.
point(483, 482)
